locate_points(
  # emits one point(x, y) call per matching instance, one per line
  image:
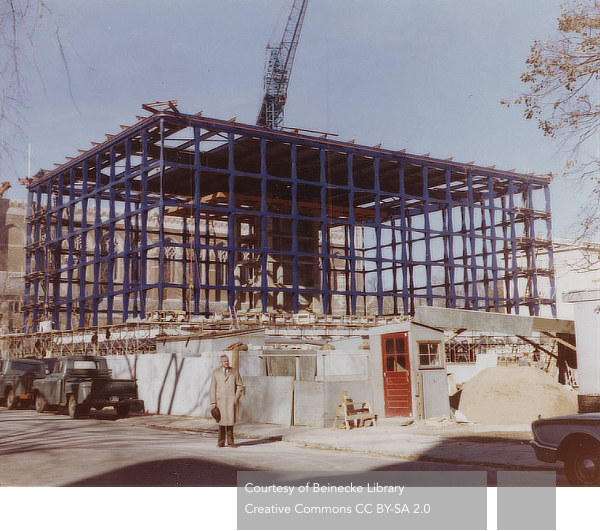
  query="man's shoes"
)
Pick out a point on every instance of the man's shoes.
point(231, 445)
point(220, 444)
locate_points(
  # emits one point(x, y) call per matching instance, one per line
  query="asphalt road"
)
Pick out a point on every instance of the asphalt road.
point(51, 449)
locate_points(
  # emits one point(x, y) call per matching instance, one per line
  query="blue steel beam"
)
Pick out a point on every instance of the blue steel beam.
point(473, 187)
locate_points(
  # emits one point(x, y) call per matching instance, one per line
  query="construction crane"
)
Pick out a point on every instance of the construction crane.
point(278, 68)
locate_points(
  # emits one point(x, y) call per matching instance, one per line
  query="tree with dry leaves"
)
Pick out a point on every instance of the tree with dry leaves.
point(20, 22)
point(563, 96)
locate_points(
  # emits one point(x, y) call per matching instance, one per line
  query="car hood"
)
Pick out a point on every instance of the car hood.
point(576, 417)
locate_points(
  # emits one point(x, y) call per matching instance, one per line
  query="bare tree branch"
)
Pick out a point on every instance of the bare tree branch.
point(19, 22)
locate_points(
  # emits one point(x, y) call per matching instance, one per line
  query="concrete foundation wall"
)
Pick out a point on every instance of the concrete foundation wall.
point(174, 384)
point(179, 384)
point(176, 380)
point(169, 383)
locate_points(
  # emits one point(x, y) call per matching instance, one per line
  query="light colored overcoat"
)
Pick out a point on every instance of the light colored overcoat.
point(225, 391)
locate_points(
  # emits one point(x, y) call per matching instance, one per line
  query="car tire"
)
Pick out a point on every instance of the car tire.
point(11, 400)
point(73, 408)
point(582, 464)
point(40, 404)
point(122, 411)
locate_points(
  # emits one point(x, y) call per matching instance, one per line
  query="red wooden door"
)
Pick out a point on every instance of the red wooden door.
point(396, 375)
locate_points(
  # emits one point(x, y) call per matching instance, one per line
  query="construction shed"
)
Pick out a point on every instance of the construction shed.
point(191, 214)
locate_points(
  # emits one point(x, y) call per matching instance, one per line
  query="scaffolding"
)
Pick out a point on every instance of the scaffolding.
point(187, 213)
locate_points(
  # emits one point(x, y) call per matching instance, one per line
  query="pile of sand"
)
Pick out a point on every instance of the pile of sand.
point(515, 395)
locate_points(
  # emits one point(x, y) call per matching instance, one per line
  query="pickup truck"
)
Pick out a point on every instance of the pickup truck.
point(16, 380)
point(81, 383)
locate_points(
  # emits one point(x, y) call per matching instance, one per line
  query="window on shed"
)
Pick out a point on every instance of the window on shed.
point(429, 354)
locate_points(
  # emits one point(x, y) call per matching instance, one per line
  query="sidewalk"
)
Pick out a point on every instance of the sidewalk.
point(505, 447)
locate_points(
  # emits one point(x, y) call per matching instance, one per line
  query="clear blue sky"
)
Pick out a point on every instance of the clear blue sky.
point(424, 75)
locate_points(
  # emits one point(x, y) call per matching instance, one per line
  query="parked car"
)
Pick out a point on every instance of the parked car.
point(574, 440)
point(16, 380)
point(81, 383)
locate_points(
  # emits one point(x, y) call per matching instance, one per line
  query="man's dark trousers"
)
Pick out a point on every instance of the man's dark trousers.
point(225, 431)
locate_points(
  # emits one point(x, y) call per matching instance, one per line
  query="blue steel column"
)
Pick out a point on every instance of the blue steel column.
point(465, 256)
point(143, 249)
point(97, 238)
point(427, 226)
point(29, 250)
point(531, 251)
point(70, 242)
point(206, 248)
point(410, 266)
point(39, 261)
point(549, 237)
point(394, 245)
point(136, 263)
point(506, 254)
point(493, 238)
point(484, 255)
point(161, 218)
point(378, 254)
point(196, 212)
point(56, 253)
point(471, 207)
point(325, 250)
point(513, 244)
point(83, 251)
point(449, 236)
point(264, 243)
point(127, 233)
point(111, 241)
point(351, 231)
point(231, 243)
point(184, 265)
point(404, 241)
point(47, 250)
point(295, 247)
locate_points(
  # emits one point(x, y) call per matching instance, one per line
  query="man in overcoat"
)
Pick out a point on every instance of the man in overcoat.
point(226, 388)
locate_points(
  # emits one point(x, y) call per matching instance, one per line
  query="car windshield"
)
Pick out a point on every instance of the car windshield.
point(24, 366)
point(49, 363)
point(85, 364)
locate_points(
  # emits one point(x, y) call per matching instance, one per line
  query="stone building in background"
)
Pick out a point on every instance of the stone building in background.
point(12, 263)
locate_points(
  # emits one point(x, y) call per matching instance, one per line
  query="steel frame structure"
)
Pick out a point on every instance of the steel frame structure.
point(217, 215)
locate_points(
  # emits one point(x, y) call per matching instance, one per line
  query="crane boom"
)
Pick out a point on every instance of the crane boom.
point(280, 59)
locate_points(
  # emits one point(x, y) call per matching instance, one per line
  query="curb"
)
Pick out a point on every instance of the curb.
point(426, 458)
point(318, 446)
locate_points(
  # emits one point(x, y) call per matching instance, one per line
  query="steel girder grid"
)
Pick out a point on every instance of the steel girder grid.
point(376, 231)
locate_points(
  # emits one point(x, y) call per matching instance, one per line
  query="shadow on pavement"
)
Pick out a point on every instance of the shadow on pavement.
point(254, 442)
point(167, 473)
